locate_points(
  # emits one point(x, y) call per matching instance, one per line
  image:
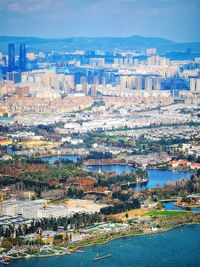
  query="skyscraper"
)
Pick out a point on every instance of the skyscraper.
point(193, 84)
point(1, 75)
point(22, 57)
point(148, 83)
point(151, 51)
point(157, 83)
point(83, 82)
point(138, 83)
point(11, 57)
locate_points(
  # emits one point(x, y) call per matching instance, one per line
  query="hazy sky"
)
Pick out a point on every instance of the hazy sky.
point(177, 20)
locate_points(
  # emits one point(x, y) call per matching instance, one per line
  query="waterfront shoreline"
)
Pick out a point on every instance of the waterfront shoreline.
point(56, 155)
point(186, 206)
point(106, 241)
point(114, 162)
point(135, 234)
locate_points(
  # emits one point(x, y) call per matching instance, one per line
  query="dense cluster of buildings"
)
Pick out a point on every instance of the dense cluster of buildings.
point(40, 209)
point(21, 105)
point(185, 163)
point(39, 83)
point(129, 69)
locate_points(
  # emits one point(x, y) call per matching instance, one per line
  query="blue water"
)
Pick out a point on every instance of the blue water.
point(52, 159)
point(119, 169)
point(6, 119)
point(156, 177)
point(162, 177)
point(171, 206)
point(179, 247)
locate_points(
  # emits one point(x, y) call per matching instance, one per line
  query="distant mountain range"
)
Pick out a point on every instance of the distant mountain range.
point(101, 43)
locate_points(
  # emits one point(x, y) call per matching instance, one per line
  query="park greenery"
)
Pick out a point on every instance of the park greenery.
point(75, 222)
point(121, 207)
point(38, 176)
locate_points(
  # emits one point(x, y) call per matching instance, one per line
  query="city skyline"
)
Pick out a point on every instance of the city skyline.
point(173, 20)
point(100, 133)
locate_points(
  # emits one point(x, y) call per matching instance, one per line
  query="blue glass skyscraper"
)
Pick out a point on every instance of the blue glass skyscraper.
point(22, 57)
point(11, 57)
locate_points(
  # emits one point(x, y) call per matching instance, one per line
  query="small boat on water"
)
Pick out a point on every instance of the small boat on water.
point(4, 260)
point(79, 251)
point(99, 171)
point(28, 256)
point(101, 257)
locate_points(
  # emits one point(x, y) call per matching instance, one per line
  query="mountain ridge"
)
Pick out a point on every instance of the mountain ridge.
point(101, 43)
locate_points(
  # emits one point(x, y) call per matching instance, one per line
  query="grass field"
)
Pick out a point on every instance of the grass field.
point(144, 213)
point(137, 213)
point(168, 212)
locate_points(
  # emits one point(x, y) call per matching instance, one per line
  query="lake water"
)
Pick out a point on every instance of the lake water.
point(162, 177)
point(111, 168)
point(156, 177)
point(179, 247)
point(170, 206)
point(52, 159)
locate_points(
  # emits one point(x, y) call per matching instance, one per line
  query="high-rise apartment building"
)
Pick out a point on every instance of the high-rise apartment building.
point(198, 85)
point(96, 80)
point(151, 51)
point(192, 84)
point(138, 83)
point(195, 85)
point(157, 83)
point(83, 82)
point(148, 84)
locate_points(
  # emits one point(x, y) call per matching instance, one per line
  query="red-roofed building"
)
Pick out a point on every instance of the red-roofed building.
point(195, 166)
point(183, 162)
point(173, 163)
point(5, 142)
point(176, 163)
